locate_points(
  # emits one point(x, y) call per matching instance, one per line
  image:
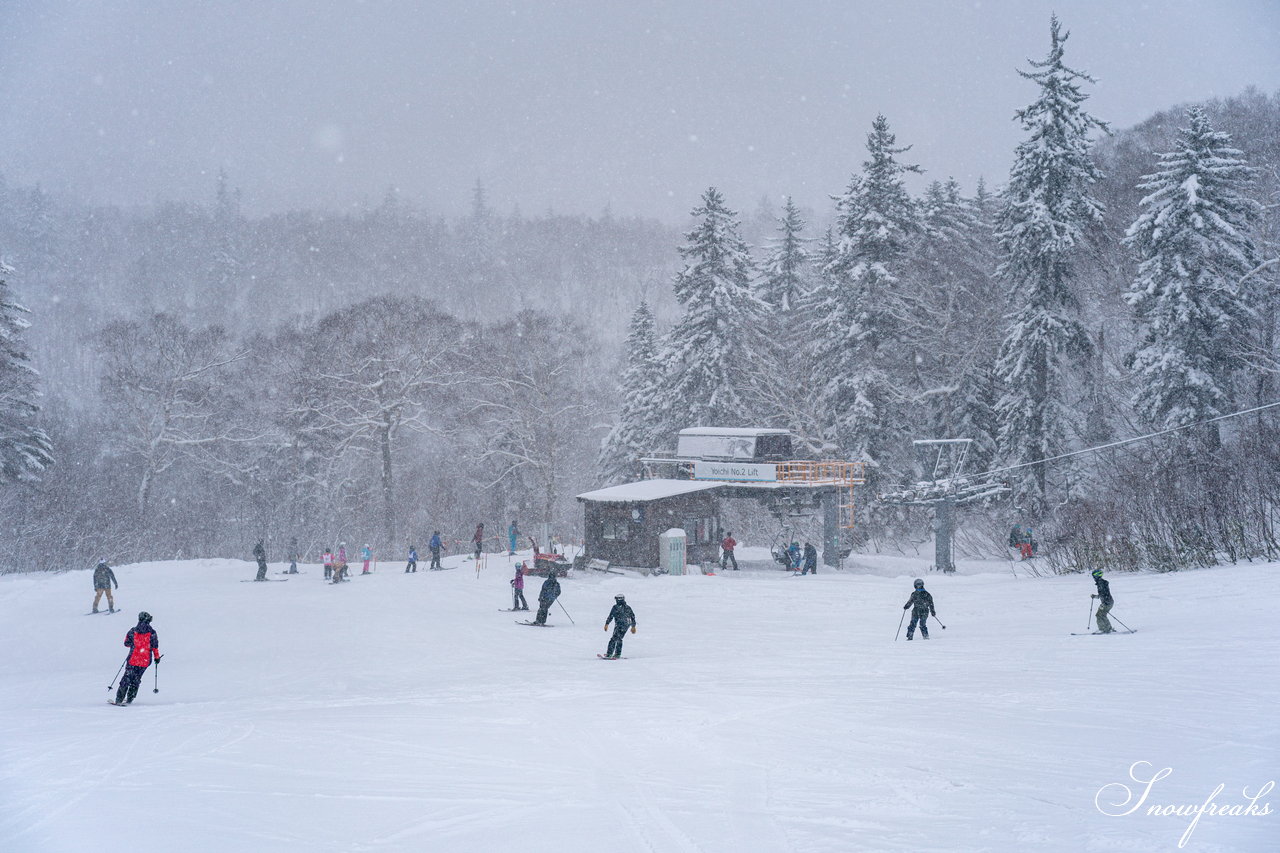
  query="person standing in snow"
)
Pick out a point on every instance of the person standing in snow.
point(144, 644)
point(340, 563)
point(517, 589)
point(622, 617)
point(922, 602)
point(477, 539)
point(328, 563)
point(726, 551)
point(794, 557)
point(366, 554)
point(1105, 602)
point(103, 578)
point(435, 545)
point(293, 555)
point(260, 554)
point(513, 533)
point(547, 596)
point(412, 565)
point(810, 559)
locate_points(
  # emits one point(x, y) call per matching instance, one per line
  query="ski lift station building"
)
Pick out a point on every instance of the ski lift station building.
point(622, 523)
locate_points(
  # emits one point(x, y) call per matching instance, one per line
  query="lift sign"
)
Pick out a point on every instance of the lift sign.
point(741, 471)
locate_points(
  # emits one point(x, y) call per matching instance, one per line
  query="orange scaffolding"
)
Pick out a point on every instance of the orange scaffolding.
point(814, 472)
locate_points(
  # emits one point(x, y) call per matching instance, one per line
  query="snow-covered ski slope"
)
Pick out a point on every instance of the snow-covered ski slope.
point(754, 712)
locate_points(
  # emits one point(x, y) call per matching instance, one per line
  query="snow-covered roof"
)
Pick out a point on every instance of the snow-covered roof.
point(648, 490)
point(746, 432)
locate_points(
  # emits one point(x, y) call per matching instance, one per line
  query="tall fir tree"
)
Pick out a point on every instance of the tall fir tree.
point(637, 431)
point(712, 354)
point(858, 310)
point(1046, 207)
point(1193, 240)
point(783, 283)
point(25, 449)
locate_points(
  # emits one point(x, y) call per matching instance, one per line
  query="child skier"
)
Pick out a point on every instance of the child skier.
point(922, 601)
point(366, 554)
point(103, 578)
point(622, 617)
point(517, 589)
point(328, 563)
point(412, 565)
point(144, 644)
point(1105, 602)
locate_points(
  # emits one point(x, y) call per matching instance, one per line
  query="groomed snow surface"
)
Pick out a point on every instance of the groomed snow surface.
point(754, 712)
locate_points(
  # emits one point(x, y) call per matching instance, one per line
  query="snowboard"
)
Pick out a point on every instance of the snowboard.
point(606, 657)
point(535, 624)
point(1100, 633)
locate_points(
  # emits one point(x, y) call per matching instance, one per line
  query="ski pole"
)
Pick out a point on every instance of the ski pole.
point(1088, 624)
point(939, 621)
point(156, 689)
point(900, 621)
point(566, 612)
point(1126, 627)
point(118, 671)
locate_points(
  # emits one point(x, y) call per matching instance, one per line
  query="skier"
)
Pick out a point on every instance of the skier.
point(413, 560)
point(366, 554)
point(794, 556)
point(547, 596)
point(513, 533)
point(810, 559)
point(435, 545)
point(478, 539)
point(1105, 602)
point(144, 644)
point(726, 547)
point(293, 555)
point(622, 617)
point(260, 554)
point(328, 563)
point(103, 578)
point(1027, 545)
point(517, 589)
point(923, 603)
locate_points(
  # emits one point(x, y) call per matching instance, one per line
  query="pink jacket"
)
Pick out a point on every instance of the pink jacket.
point(518, 582)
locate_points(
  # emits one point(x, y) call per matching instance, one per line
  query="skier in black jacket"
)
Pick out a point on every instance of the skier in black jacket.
point(922, 601)
point(1105, 602)
point(810, 559)
point(260, 554)
point(103, 578)
point(622, 617)
point(144, 645)
point(547, 596)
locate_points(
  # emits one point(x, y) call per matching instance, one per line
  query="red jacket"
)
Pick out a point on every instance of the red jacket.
point(729, 543)
point(145, 644)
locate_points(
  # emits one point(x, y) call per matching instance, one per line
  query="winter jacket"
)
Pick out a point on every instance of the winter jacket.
point(518, 580)
point(328, 558)
point(622, 615)
point(366, 554)
point(144, 644)
point(922, 601)
point(103, 577)
point(1104, 591)
point(550, 589)
point(811, 557)
point(478, 538)
point(342, 555)
point(259, 553)
point(729, 543)
point(413, 555)
point(435, 543)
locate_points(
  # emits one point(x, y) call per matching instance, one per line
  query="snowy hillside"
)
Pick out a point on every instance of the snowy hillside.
point(754, 712)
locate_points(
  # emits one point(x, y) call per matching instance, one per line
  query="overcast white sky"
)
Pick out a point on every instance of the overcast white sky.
point(569, 106)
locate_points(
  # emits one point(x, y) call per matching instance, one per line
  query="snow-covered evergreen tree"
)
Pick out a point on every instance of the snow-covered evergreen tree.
point(637, 430)
point(25, 450)
point(859, 308)
point(785, 268)
point(1193, 241)
point(711, 354)
point(1046, 206)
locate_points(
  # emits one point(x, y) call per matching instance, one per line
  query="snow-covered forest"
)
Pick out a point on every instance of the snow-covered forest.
point(207, 378)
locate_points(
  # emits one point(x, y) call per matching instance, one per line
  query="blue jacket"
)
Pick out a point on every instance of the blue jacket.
point(413, 555)
point(435, 543)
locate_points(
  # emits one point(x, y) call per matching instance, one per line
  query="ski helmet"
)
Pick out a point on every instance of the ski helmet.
point(102, 564)
point(919, 583)
point(144, 616)
point(1097, 573)
point(619, 597)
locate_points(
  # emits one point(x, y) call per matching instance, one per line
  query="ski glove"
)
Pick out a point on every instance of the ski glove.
point(1093, 596)
point(633, 629)
point(606, 626)
point(907, 606)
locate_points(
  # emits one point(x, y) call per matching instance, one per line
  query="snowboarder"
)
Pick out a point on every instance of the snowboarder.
point(517, 589)
point(413, 560)
point(103, 578)
point(923, 604)
point(260, 554)
point(547, 596)
point(435, 545)
point(1105, 602)
point(328, 563)
point(810, 559)
point(513, 533)
point(366, 554)
point(144, 644)
point(293, 555)
point(726, 551)
point(622, 617)
point(477, 539)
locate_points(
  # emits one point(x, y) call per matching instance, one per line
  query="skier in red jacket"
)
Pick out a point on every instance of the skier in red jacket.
point(144, 644)
point(726, 548)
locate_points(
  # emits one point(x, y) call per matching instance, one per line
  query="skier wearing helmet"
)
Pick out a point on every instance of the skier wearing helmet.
point(366, 554)
point(1105, 602)
point(622, 617)
point(144, 644)
point(922, 602)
